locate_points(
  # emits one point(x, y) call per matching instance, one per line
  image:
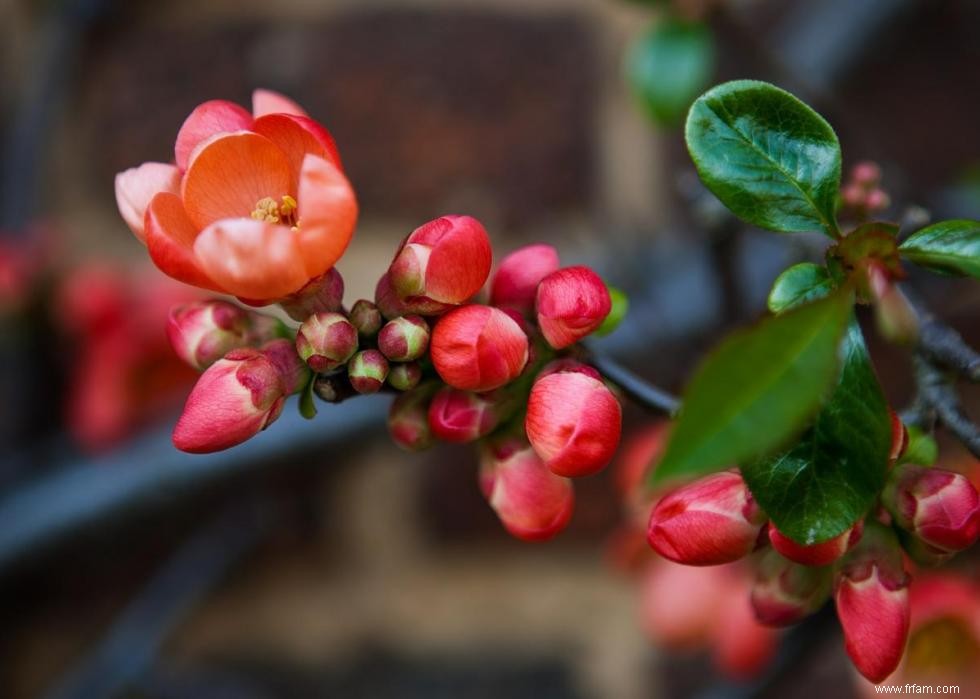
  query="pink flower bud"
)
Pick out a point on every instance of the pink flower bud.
point(366, 317)
point(404, 339)
point(532, 502)
point(710, 521)
point(478, 348)
point(785, 592)
point(852, 195)
point(461, 416)
point(866, 173)
point(367, 371)
point(202, 332)
point(321, 295)
point(877, 200)
point(571, 303)
point(515, 283)
point(446, 260)
point(896, 318)
point(391, 305)
point(942, 508)
point(408, 418)
point(403, 377)
point(824, 553)
point(325, 341)
point(573, 422)
point(567, 364)
point(872, 597)
point(235, 398)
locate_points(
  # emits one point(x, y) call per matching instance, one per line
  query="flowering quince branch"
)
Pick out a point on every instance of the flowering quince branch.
point(256, 205)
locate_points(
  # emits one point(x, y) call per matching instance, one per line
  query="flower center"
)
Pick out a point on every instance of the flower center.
point(271, 211)
point(944, 644)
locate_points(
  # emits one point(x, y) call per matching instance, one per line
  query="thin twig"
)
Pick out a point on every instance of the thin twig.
point(936, 390)
point(633, 387)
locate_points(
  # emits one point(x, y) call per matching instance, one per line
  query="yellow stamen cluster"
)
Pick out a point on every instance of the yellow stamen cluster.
point(271, 211)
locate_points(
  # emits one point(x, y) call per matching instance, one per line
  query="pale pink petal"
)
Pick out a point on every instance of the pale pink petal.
point(327, 214)
point(135, 188)
point(271, 102)
point(208, 119)
point(252, 259)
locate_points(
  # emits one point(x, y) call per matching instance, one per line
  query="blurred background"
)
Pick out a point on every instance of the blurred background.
point(317, 559)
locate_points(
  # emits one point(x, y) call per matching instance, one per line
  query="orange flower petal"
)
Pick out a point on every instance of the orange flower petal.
point(271, 102)
point(138, 185)
point(170, 236)
point(297, 136)
point(229, 174)
point(208, 119)
point(327, 214)
point(252, 259)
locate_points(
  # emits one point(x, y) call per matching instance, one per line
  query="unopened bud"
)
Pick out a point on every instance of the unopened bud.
point(237, 397)
point(325, 341)
point(785, 592)
point(408, 418)
point(478, 348)
point(367, 371)
point(405, 376)
point(895, 316)
point(866, 173)
point(366, 317)
point(321, 295)
point(571, 304)
point(404, 339)
point(532, 502)
point(462, 416)
point(574, 422)
point(871, 592)
point(941, 508)
point(446, 260)
point(391, 305)
point(515, 283)
point(203, 332)
point(710, 521)
point(822, 554)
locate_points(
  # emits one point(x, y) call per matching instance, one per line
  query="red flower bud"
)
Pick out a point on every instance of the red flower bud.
point(872, 599)
point(942, 508)
point(292, 370)
point(367, 371)
point(202, 332)
point(515, 283)
point(573, 422)
point(366, 317)
point(532, 502)
point(461, 416)
point(408, 418)
point(236, 398)
point(785, 592)
point(571, 303)
point(391, 305)
point(404, 338)
point(446, 260)
point(321, 295)
point(404, 377)
point(478, 348)
point(567, 364)
point(326, 341)
point(824, 553)
point(710, 521)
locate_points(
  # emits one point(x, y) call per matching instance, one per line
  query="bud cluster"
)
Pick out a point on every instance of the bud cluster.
point(927, 514)
point(862, 192)
point(504, 372)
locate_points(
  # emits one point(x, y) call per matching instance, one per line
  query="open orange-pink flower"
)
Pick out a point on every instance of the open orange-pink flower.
point(256, 205)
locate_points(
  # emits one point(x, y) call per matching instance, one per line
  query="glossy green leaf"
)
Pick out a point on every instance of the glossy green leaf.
point(620, 307)
point(669, 66)
point(801, 283)
point(767, 156)
point(951, 247)
point(757, 390)
point(831, 478)
point(922, 448)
